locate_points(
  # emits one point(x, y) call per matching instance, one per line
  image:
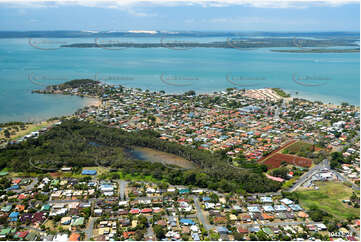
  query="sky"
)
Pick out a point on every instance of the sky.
point(180, 15)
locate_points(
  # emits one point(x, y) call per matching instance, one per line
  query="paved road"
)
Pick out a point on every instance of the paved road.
point(69, 201)
point(122, 186)
point(344, 179)
point(282, 223)
point(309, 174)
point(149, 233)
point(267, 194)
point(277, 114)
point(29, 187)
point(34, 181)
point(201, 216)
point(325, 164)
point(89, 230)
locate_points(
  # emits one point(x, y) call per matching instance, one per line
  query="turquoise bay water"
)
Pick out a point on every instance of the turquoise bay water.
point(329, 77)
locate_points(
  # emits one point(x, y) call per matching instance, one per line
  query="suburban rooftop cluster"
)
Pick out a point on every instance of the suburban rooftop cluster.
point(88, 207)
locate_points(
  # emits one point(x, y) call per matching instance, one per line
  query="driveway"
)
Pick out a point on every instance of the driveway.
point(202, 218)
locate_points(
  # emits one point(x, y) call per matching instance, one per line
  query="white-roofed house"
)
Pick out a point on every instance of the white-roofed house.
point(266, 200)
point(286, 201)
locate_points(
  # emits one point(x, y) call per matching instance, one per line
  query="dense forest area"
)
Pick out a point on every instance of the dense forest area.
point(79, 143)
point(77, 83)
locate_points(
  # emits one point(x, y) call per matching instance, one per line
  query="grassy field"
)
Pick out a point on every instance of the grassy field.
point(329, 198)
point(27, 130)
point(299, 146)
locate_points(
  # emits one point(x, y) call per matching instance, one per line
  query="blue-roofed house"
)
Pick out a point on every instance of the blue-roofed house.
point(89, 172)
point(183, 191)
point(266, 200)
point(45, 207)
point(13, 187)
point(106, 187)
point(253, 209)
point(187, 221)
point(268, 209)
point(249, 109)
point(254, 229)
point(14, 216)
point(280, 208)
point(222, 230)
point(206, 199)
point(295, 207)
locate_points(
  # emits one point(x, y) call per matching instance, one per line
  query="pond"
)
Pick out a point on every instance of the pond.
point(148, 154)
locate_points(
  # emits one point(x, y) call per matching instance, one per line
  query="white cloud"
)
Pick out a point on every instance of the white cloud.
point(204, 3)
point(243, 20)
point(138, 13)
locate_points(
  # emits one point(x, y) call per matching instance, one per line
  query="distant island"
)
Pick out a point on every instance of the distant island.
point(319, 50)
point(134, 33)
point(229, 43)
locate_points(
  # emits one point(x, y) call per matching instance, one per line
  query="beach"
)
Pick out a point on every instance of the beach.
point(94, 102)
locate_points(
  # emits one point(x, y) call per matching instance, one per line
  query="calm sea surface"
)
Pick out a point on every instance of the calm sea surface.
point(331, 77)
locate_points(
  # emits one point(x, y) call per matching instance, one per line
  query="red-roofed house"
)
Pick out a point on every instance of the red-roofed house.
point(21, 234)
point(146, 210)
point(22, 196)
point(16, 181)
point(134, 211)
point(74, 237)
point(127, 234)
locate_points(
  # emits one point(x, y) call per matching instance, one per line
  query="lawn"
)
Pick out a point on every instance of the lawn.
point(329, 198)
point(134, 177)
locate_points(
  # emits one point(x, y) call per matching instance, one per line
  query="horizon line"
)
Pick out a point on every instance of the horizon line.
point(160, 31)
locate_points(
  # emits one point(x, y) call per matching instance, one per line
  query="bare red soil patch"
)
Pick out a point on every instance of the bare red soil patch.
point(275, 151)
point(55, 174)
point(276, 160)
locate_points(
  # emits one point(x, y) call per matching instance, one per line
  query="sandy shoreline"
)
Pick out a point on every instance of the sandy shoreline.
point(94, 101)
point(262, 93)
point(327, 100)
